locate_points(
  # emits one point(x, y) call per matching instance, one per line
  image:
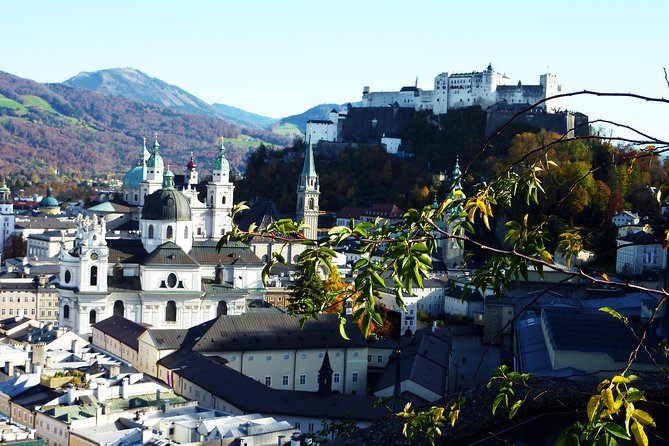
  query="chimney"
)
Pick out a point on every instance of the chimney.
point(158, 395)
point(9, 368)
point(37, 368)
point(100, 390)
point(220, 274)
point(295, 439)
point(280, 440)
point(117, 273)
point(27, 366)
point(125, 391)
point(71, 396)
point(39, 353)
point(75, 347)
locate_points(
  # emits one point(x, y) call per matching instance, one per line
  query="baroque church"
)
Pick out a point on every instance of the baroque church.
point(169, 274)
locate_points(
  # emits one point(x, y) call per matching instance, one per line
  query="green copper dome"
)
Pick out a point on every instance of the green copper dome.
point(167, 204)
point(133, 178)
point(221, 162)
point(49, 201)
point(155, 160)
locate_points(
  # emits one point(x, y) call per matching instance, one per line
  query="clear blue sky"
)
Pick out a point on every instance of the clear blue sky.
point(281, 57)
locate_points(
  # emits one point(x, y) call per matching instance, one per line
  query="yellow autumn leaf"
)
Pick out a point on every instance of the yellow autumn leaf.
point(643, 417)
point(592, 406)
point(640, 436)
point(607, 397)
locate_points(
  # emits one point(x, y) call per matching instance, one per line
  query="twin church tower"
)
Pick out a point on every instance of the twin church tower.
point(211, 217)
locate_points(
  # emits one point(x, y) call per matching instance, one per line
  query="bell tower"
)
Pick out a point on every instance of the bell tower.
point(451, 249)
point(219, 197)
point(308, 191)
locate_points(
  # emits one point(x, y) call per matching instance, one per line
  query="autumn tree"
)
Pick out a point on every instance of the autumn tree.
point(556, 169)
point(15, 246)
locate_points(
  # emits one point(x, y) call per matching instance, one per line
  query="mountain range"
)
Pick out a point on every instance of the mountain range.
point(94, 123)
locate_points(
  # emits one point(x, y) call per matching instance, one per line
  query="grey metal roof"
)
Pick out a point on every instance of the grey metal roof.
point(246, 332)
point(126, 251)
point(121, 329)
point(593, 331)
point(424, 360)
point(235, 253)
point(165, 339)
point(251, 396)
point(170, 253)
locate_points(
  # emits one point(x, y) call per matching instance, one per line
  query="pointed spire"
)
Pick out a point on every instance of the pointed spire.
point(325, 376)
point(144, 153)
point(456, 174)
point(155, 160)
point(309, 168)
point(221, 162)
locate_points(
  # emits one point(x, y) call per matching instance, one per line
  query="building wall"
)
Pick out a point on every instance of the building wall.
point(458, 90)
point(497, 316)
point(300, 367)
point(54, 432)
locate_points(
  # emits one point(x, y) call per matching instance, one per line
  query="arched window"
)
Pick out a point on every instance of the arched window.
point(170, 232)
point(94, 275)
point(221, 308)
point(66, 312)
point(68, 276)
point(223, 199)
point(311, 203)
point(150, 231)
point(171, 311)
point(119, 308)
point(186, 233)
point(92, 317)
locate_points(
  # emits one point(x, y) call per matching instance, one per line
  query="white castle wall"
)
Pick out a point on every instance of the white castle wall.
point(459, 90)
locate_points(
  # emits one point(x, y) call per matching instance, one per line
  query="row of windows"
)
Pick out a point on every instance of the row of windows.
point(269, 357)
point(336, 378)
point(379, 358)
point(18, 298)
point(10, 311)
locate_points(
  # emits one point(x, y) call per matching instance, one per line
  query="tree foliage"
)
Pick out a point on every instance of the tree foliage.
point(552, 179)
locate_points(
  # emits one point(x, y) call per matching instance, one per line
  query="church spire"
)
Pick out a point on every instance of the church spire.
point(308, 190)
point(309, 168)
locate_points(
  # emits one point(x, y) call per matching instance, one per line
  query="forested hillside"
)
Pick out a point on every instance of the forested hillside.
point(80, 133)
point(365, 175)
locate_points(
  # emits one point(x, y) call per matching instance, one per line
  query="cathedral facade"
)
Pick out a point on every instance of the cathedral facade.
point(169, 274)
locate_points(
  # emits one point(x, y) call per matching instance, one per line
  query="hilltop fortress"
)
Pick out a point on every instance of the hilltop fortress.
point(382, 117)
point(486, 89)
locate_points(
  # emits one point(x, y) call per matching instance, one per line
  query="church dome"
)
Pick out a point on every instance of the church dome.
point(133, 178)
point(167, 203)
point(49, 203)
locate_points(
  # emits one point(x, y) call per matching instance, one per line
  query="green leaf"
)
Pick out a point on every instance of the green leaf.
point(514, 408)
point(614, 313)
point(616, 430)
